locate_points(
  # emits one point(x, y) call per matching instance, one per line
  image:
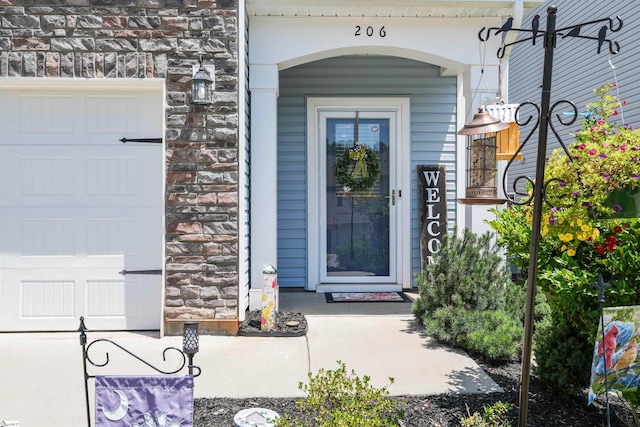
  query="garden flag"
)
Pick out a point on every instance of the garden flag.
point(616, 353)
point(153, 401)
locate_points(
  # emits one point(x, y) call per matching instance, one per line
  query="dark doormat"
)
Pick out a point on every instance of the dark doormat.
point(366, 297)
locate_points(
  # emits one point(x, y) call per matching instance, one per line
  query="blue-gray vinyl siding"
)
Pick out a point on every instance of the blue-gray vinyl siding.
point(577, 69)
point(433, 138)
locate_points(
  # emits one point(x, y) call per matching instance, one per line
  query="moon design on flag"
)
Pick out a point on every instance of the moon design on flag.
point(120, 411)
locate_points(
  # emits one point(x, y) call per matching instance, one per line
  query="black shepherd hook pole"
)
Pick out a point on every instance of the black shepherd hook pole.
point(190, 347)
point(601, 285)
point(545, 111)
point(83, 342)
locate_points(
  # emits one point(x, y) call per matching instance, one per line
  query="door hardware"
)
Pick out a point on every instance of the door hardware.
point(125, 272)
point(149, 140)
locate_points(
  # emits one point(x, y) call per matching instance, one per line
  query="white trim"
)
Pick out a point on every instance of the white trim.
point(461, 163)
point(278, 40)
point(243, 266)
point(264, 181)
point(394, 134)
point(400, 105)
point(36, 83)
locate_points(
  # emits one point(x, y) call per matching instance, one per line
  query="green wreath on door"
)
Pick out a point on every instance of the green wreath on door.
point(358, 168)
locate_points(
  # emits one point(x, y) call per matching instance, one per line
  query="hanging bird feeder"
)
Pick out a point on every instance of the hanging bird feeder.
point(481, 150)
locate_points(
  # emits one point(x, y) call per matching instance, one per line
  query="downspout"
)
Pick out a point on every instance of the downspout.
point(243, 278)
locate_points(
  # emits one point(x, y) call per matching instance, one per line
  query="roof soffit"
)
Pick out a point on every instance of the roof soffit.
point(386, 8)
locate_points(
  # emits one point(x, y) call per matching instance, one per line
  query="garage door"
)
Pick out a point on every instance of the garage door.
point(77, 207)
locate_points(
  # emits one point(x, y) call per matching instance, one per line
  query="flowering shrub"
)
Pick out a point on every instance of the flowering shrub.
point(579, 239)
point(605, 158)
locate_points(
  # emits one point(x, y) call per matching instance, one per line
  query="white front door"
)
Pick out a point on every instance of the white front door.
point(359, 238)
point(77, 206)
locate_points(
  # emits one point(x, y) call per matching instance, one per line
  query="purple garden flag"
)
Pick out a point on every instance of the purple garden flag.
point(154, 401)
point(615, 352)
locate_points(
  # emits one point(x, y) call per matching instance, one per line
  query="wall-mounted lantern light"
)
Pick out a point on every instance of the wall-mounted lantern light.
point(481, 159)
point(202, 85)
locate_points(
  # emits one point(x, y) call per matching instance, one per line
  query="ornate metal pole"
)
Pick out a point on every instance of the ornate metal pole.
point(549, 45)
point(545, 112)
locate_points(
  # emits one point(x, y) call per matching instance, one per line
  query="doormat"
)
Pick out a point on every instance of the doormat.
point(366, 297)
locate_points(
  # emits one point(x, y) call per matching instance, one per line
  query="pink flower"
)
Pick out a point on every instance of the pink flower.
point(600, 122)
point(624, 102)
point(582, 146)
point(592, 152)
point(615, 85)
point(615, 112)
point(623, 147)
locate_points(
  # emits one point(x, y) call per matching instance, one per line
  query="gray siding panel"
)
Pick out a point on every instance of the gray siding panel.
point(578, 68)
point(433, 136)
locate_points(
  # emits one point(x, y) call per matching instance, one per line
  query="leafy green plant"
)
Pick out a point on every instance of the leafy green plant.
point(336, 398)
point(492, 416)
point(563, 355)
point(565, 280)
point(605, 158)
point(463, 295)
point(579, 241)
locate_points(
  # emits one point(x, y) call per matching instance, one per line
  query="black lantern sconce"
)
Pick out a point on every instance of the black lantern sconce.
point(202, 85)
point(190, 342)
point(481, 133)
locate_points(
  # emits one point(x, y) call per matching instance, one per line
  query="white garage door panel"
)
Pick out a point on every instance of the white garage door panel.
point(97, 237)
point(55, 300)
point(54, 117)
point(77, 206)
point(91, 176)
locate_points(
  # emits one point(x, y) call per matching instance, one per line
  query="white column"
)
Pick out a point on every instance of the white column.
point(263, 83)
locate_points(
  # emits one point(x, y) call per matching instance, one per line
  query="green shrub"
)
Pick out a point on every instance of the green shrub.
point(463, 298)
point(338, 399)
point(566, 275)
point(496, 336)
point(492, 416)
point(493, 334)
point(563, 355)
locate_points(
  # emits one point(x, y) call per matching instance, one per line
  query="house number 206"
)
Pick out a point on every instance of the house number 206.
point(369, 31)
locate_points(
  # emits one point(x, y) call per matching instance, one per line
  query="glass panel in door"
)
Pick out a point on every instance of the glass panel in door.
point(358, 233)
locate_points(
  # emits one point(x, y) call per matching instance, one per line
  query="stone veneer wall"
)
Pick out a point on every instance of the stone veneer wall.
point(158, 39)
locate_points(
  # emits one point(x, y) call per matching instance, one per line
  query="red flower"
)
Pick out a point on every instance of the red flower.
point(617, 229)
point(626, 226)
point(601, 250)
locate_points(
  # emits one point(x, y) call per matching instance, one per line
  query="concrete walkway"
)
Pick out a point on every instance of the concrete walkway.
point(41, 381)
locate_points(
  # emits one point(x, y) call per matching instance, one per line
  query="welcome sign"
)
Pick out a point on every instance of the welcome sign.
point(432, 198)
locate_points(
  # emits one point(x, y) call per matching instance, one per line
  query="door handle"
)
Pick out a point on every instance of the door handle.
point(154, 272)
point(393, 197)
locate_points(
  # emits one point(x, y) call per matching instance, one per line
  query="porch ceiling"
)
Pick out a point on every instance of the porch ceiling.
point(387, 8)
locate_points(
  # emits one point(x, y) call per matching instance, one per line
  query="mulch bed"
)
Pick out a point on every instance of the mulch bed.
point(546, 407)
